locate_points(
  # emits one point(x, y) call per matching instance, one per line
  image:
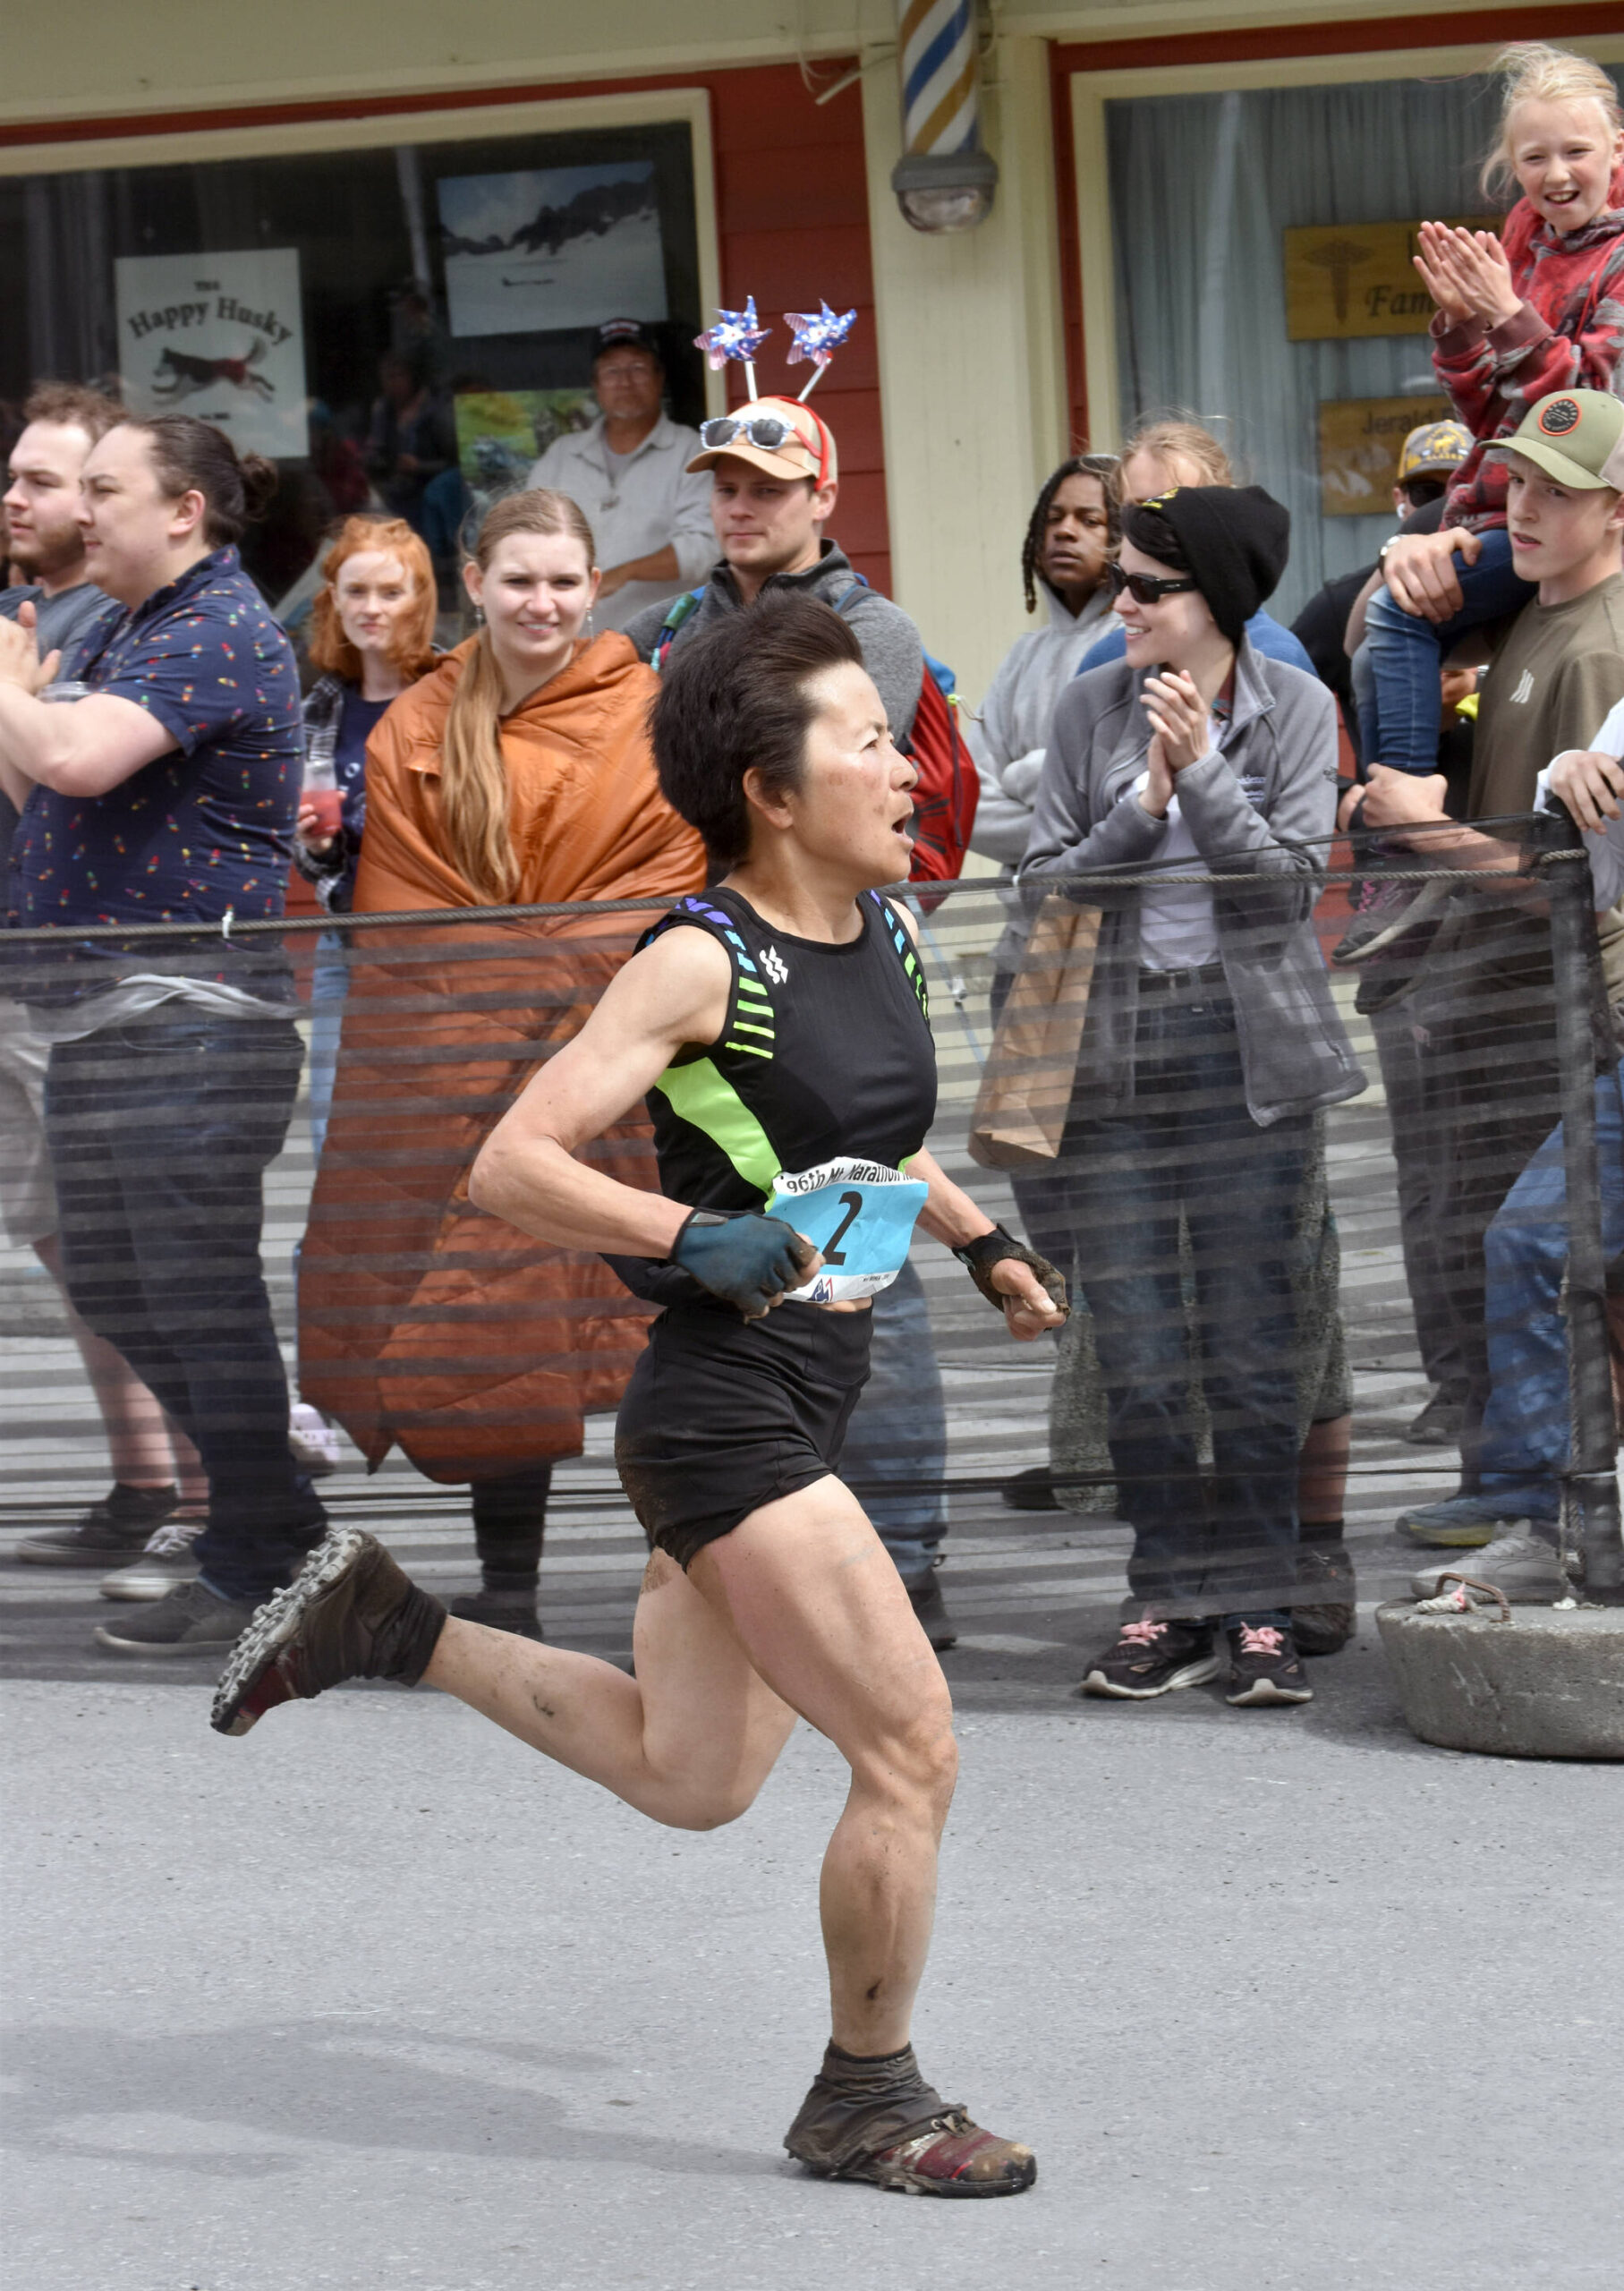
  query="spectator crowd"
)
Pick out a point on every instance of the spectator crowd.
point(1164, 772)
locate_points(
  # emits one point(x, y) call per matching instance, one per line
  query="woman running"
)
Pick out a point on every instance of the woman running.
point(777, 1025)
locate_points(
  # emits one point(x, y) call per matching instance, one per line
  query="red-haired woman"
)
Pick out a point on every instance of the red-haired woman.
point(372, 635)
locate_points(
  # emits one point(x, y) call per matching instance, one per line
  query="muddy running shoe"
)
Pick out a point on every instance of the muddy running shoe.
point(115, 1528)
point(1524, 1567)
point(166, 1559)
point(878, 2120)
point(927, 1602)
point(1323, 1613)
point(1153, 1657)
point(950, 2157)
point(349, 1613)
point(497, 1612)
point(1263, 1666)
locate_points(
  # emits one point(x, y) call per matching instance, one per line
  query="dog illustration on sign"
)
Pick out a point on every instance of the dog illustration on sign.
point(179, 375)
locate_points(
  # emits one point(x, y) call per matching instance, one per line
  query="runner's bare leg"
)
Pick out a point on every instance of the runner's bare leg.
point(799, 1608)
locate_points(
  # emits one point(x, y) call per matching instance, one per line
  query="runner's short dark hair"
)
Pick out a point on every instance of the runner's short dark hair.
point(735, 696)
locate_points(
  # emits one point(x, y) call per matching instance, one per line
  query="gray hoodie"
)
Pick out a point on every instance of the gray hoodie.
point(1262, 803)
point(1009, 738)
point(892, 652)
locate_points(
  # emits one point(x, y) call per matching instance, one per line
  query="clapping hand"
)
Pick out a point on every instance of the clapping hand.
point(20, 661)
point(1467, 273)
point(1179, 719)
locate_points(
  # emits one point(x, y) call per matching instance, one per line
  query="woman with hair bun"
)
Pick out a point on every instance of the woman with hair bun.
point(517, 773)
point(166, 795)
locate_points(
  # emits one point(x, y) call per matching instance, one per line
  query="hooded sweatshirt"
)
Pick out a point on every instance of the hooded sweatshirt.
point(1010, 736)
point(1568, 336)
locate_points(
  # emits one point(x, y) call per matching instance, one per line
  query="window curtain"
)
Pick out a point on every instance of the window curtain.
point(1201, 189)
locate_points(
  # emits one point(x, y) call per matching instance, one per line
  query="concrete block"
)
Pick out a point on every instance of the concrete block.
point(1548, 1684)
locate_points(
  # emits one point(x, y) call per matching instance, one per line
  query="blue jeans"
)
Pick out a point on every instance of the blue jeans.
point(1525, 1425)
point(1400, 724)
point(329, 985)
point(160, 1133)
point(1187, 1143)
point(899, 1431)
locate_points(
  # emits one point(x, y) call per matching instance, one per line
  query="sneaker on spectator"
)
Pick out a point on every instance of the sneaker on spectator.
point(189, 1620)
point(1033, 1490)
point(499, 1612)
point(1153, 1656)
point(928, 1603)
point(114, 1528)
point(311, 1441)
point(1323, 1613)
point(1263, 1665)
point(1438, 1424)
point(1524, 1567)
point(167, 1560)
point(1386, 912)
point(1464, 1522)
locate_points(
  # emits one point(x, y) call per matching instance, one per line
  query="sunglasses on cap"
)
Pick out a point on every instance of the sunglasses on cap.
point(770, 431)
point(1145, 588)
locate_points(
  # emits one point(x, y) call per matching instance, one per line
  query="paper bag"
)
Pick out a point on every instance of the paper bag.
point(1025, 1089)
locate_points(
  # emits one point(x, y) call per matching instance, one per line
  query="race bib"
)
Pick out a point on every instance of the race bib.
point(860, 1214)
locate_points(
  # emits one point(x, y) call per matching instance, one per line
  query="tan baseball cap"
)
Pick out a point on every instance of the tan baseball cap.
point(1436, 449)
point(1574, 435)
point(776, 434)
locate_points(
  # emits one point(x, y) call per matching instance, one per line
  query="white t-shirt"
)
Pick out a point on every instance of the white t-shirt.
point(1606, 849)
point(1178, 926)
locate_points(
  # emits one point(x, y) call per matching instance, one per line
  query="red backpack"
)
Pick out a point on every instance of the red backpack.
point(948, 789)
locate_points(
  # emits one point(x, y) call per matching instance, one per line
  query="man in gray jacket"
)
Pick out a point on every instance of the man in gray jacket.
point(776, 479)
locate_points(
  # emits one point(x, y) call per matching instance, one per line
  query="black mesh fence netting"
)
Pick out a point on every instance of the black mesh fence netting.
point(1312, 1212)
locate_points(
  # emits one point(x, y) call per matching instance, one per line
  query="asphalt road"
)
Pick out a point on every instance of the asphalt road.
point(375, 1999)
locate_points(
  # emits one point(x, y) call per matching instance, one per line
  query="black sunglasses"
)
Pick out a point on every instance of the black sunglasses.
point(1145, 588)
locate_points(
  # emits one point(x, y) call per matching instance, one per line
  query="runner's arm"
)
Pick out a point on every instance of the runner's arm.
point(949, 1215)
point(674, 992)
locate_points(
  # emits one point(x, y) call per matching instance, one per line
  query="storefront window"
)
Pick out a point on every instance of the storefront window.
point(1257, 290)
point(401, 327)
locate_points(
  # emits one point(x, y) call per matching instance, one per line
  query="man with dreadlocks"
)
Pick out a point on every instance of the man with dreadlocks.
point(1070, 539)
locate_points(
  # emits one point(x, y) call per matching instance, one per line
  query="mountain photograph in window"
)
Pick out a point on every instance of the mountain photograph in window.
point(543, 250)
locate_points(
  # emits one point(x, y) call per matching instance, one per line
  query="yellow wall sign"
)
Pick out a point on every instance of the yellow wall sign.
point(1358, 280)
point(1359, 442)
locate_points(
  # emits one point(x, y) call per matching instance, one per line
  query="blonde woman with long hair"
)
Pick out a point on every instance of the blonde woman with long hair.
point(517, 774)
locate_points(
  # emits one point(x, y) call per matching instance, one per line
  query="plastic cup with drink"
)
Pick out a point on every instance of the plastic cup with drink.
point(66, 689)
point(322, 795)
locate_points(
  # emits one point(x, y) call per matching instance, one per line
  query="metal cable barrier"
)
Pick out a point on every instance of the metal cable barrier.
point(1301, 1205)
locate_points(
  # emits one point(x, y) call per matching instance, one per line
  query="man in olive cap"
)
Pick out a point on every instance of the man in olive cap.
point(1484, 994)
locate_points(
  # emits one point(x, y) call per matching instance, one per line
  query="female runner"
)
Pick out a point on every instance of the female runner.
point(777, 1024)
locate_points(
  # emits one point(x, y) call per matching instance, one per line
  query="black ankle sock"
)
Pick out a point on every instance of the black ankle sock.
point(414, 1634)
point(870, 2060)
point(1322, 1533)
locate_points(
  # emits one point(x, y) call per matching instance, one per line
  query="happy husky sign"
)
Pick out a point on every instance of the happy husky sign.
point(219, 335)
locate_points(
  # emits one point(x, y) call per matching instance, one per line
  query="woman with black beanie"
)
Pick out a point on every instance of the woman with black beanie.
point(1211, 1043)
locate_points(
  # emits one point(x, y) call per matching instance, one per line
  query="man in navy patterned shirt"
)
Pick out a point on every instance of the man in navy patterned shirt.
point(168, 796)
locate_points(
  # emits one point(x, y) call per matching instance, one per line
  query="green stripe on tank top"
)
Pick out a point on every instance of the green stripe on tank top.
point(698, 1093)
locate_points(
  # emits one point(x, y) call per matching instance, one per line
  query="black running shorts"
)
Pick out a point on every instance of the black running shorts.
point(723, 1415)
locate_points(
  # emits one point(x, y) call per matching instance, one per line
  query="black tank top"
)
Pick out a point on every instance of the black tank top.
point(825, 1053)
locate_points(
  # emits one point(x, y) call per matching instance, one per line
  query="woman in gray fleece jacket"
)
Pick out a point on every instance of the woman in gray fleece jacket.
point(1211, 1042)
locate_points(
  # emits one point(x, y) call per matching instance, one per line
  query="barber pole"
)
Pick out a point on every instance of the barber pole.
point(938, 51)
point(944, 180)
